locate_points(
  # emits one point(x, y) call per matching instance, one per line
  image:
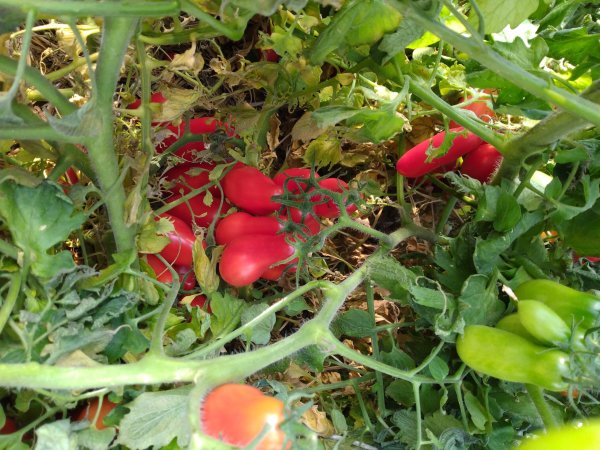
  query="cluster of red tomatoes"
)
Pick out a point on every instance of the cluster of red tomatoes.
point(479, 159)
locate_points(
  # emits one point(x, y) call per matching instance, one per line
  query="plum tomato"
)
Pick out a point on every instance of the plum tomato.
point(163, 274)
point(251, 190)
point(186, 177)
point(155, 97)
point(480, 108)
point(324, 205)
point(197, 211)
point(180, 248)
point(311, 225)
point(247, 258)
point(481, 163)
point(96, 418)
point(237, 413)
point(286, 177)
point(241, 223)
point(186, 276)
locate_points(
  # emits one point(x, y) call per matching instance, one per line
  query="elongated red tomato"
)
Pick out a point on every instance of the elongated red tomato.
point(324, 205)
point(163, 274)
point(9, 426)
point(247, 258)
point(482, 162)
point(414, 162)
point(155, 97)
point(286, 177)
point(251, 190)
point(180, 248)
point(480, 108)
point(90, 412)
point(311, 225)
point(189, 176)
point(200, 213)
point(241, 223)
point(238, 413)
point(187, 277)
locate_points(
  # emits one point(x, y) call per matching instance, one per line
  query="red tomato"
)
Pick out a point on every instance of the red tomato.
point(251, 190)
point(482, 162)
point(200, 126)
point(163, 274)
point(187, 277)
point(247, 258)
point(89, 413)
point(199, 301)
point(155, 97)
point(237, 413)
point(9, 426)
point(328, 208)
point(203, 214)
point(189, 176)
point(481, 110)
point(241, 223)
point(269, 55)
point(311, 225)
point(180, 249)
point(414, 163)
point(293, 186)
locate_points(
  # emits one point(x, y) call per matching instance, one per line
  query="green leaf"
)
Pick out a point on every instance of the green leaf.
point(497, 15)
point(155, 419)
point(312, 357)
point(261, 332)
point(339, 421)
point(334, 34)
point(56, 436)
point(226, 312)
point(389, 274)
point(401, 391)
point(397, 358)
point(582, 233)
point(10, 18)
point(478, 302)
point(324, 151)
point(407, 32)
point(508, 212)
point(476, 411)
point(38, 219)
point(93, 439)
point(576, 45)
point(438, 368)
point(353, 323)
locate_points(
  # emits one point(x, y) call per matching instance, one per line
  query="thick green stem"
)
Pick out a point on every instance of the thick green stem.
point(481, 52)
point(101, 150)
point(123, 8)
point(537, 396)
point(11, 297)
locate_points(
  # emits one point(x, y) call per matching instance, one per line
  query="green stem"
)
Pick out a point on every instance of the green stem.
point(233, 33)
point(36, 132)
point(123, 8)
point(66, 70)
point(536, 394)
point(375, 345)
point(11, 297)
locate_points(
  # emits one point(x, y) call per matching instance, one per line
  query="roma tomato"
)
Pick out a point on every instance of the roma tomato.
point(543, 323)
point(521, 361)
point(197, 211)
point(324, 205)
point(576, 436)
point(186, 276)
point(247, 258)
point(311, 225)
point(414, 163)
point(155, 97)
point(180, 248)
point(251, 190)
point(237, 413)
point(480, 108)
point(289, 178)
point(241, 223)
point(482, 162)
point(9, 426)
point(186, 177)
point(163, 274)
point(95, 413)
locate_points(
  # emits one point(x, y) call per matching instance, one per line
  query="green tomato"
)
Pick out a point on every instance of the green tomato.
point(570, 304)
point(373, 19)
point(576, 436)
point(510, 357)
point(512, 323)
point(543, 323)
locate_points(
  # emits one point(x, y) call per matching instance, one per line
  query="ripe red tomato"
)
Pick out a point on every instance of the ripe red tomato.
point(9, 426)
point(189, 176)
point(328, 208)
point(481, 110)
point(186, 276)
point(203, 215)
point(155, 97)
point(269, 55)
point(286, 178)
point(180, 249)
point(237, 413)
point(163, 274)
point(91, 409)
point(247, 258)
point(200, 126)
point(311, 225)
point(251, 190)
point(482, 162)
point(414, 163)
point(241, 223)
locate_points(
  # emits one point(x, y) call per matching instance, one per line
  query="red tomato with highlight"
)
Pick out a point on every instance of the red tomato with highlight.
point(251, 190)
point(190, 176)
point(200, 213)
point(96, 418)
point(480, 108)
point(238, 413)
point(414, 163)
point(325, 206)
point(241, 223)
point(180, 248)
point(247, 258)
point(163, 274)
point(482, 162)
point(286, 179)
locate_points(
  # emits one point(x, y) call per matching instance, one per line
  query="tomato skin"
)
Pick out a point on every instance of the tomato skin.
point(251, 190)
point(180, 249)
point(311, 225)
point(480, 108)
point(512, 324)
point(163, 274)
point(577, 436)
point(247, 258)
point(89, 413)
point(414, 163)
point(237, 413)
point(521, 361)
point(329, 208)
point(543, 323)
point(203, 215)
point(9, 426)
point(187, 277)
point(482, 162)
point(186, 177)
point(200, 126)
point(241, 223)
point(155, 97)
point(571, 305)
point(284, 179)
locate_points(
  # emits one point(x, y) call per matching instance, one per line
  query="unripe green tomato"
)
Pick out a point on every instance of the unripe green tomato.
point(543, 323)
point(510, 357)
point(576, 436)
point(373, 19)
point(512, 323)
point(570, 304)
